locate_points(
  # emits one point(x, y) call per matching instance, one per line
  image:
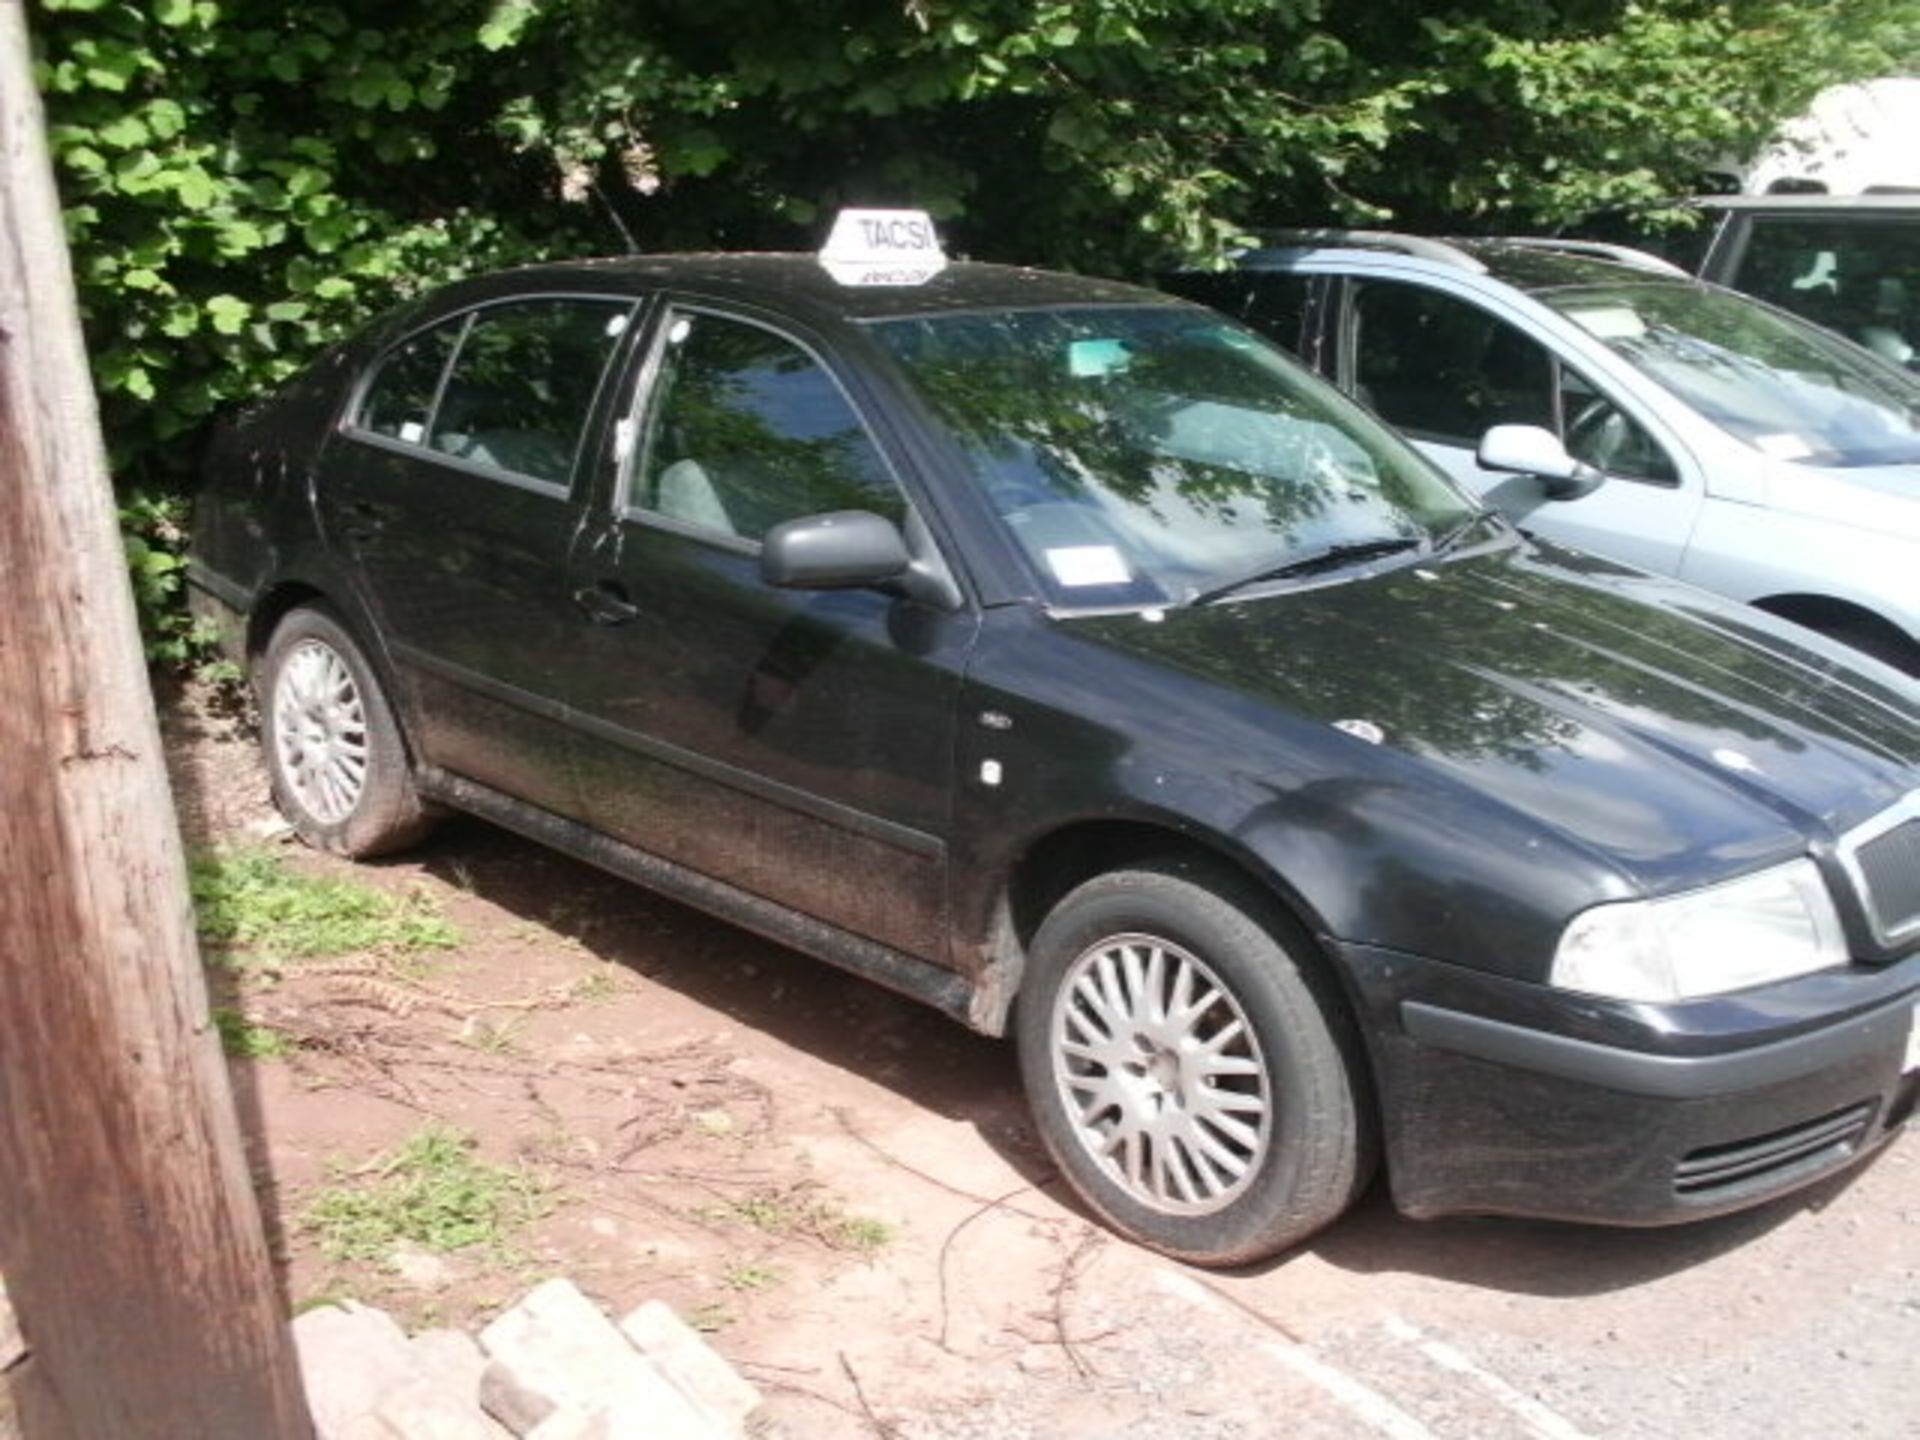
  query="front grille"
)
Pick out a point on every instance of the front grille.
point(1890, 871)
point(1762, 1161)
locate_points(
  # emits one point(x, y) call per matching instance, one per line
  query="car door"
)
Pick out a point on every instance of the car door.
point(798, 745)
point(1443, 369)
point(450, 493)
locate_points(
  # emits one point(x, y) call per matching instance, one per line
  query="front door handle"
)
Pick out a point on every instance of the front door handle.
point(606, 603)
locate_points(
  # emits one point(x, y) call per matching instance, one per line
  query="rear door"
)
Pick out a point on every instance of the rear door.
point(796, 745)
point(1443, 369)
point(451, 491)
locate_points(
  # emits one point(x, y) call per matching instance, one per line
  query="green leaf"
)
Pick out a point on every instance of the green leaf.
point(173, 13)
point(195, 188)
point(124, 133)
point(165, 118)
point(228, 313)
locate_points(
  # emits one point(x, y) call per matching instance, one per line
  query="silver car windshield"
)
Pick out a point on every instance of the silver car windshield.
point(1156, 455)
point(1786, 388)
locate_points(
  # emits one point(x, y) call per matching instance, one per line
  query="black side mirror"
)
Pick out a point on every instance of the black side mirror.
point(840, 550)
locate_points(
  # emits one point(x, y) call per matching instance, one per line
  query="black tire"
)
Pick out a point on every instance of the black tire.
point(365, 803)
point(1317, 1151)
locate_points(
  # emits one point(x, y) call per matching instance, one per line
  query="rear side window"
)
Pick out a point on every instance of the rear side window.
point(523, 378)
point(399, 403)
point(523, 382)
point(749, 430)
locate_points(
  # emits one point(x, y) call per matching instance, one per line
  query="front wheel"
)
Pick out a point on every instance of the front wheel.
point(1192, 1079)
point(339, 768)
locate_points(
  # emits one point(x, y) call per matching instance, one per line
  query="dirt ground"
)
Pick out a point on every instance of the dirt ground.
point(843, 1189)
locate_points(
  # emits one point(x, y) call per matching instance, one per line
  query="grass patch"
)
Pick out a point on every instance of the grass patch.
point(800, 1212)
point(251, 901)
point(244, 1039)
point(431, 1192)
point(746, 1278)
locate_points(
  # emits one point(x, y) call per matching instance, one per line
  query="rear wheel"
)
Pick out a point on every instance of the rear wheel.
point(339, 769)
point(1185, 1070)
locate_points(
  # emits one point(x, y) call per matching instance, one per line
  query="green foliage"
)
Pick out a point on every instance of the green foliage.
point(250, 901)
point(245, 1039)
point(245, 181)
point(430, 1192)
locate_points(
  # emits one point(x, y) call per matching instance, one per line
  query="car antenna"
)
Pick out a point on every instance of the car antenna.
point(613, 214)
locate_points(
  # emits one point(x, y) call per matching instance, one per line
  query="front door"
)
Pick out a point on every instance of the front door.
point(1443, 370)
point(798, 745)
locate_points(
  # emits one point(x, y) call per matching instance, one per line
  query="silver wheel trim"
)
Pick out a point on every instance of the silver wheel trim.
point(320, 731)
point(1161, 1075)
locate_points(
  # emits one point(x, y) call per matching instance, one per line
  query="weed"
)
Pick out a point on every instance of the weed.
point(795, 1212)
point(493, 1037)
point(602, 984)
point(249, 900)
point(432, 1192)
point(244, 1039)
point(746, 1278)
point(712, 1316)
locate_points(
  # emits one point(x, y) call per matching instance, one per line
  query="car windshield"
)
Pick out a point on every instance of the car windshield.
point(1787, 389)
point(1154, 455)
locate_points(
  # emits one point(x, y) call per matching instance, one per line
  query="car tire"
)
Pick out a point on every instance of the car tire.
point(338, 766)
point(1219, 1132)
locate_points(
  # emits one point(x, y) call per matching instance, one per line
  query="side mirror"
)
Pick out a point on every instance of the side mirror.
point(840, 550)
point(1531, 450)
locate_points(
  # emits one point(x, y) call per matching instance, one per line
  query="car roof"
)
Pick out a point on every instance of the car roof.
point(1908, 200)
point(1529, 265)
point(798, 285)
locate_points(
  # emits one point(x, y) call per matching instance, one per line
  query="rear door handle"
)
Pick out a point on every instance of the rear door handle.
point(606, 603)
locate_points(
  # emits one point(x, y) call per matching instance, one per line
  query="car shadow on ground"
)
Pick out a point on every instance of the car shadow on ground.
point(932, 1062)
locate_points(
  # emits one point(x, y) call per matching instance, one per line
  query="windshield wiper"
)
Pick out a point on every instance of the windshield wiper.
point(1332, 557)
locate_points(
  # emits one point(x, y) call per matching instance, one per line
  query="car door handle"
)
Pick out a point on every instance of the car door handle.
point(606, 603)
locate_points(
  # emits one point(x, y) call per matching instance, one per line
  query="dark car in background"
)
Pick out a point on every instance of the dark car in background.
point(1064, 656)
point(1848, 262)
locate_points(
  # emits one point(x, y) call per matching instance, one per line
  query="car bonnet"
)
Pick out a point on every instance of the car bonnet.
point(1678, 737)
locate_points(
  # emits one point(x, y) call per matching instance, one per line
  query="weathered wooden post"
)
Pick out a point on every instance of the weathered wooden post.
point(130, 1236)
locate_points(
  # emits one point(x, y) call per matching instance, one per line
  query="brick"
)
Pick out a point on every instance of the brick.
point(438, 1407)
point(556, 1350)
point(695, 1368)
point(351, 1357)
point(451, 1356)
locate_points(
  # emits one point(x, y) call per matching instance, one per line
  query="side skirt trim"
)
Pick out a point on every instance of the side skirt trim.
point(911, 976)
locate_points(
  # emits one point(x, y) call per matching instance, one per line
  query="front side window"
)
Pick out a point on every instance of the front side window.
point(748, 429)
point(523, 382)
point(1787, 389)
point(1444, 369)
point(1146, 455)
point(1860, 279)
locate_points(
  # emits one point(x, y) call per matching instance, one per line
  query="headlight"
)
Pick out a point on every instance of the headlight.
point(1763, 927)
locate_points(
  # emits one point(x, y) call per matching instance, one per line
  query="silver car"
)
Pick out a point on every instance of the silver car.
point(1602, 398)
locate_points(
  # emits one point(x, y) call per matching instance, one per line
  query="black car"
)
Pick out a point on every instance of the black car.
point(1063, 655)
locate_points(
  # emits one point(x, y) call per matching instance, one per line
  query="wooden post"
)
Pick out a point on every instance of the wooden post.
point(130, 1236)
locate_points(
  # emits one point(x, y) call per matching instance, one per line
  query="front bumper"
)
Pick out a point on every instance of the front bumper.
point(1500, 1097)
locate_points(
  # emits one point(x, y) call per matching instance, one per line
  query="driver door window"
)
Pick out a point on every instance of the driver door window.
point(1444, 370)
point(747, 430)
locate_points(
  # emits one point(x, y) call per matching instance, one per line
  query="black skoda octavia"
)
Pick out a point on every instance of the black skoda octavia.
point(1064, 656)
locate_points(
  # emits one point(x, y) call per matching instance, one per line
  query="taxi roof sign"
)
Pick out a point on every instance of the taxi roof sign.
point(883, 247)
